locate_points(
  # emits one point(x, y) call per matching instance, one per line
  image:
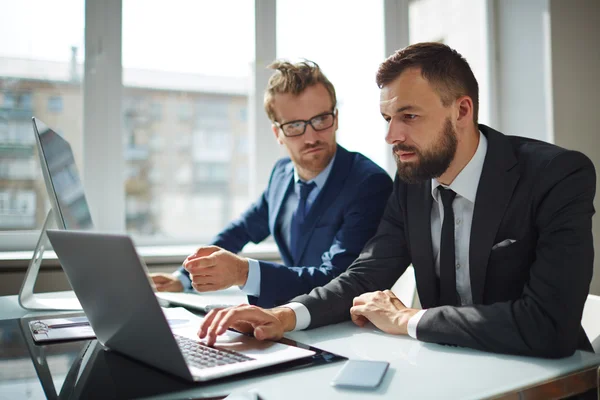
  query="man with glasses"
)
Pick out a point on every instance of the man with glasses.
point(321, 205)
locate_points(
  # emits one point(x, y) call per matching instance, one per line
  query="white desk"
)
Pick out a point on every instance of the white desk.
point(417, 370)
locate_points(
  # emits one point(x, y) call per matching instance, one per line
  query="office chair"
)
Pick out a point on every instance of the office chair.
point(591, 320)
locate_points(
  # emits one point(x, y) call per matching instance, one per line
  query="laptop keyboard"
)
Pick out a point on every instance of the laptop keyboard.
point(202, 356)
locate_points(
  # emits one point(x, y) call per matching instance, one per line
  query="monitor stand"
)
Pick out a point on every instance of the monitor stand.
point(43, 301)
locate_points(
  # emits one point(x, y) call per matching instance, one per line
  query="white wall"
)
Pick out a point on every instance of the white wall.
point(575, 47)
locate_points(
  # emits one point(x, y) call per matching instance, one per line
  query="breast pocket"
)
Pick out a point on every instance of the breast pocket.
point(506, 250)
point(508, 269)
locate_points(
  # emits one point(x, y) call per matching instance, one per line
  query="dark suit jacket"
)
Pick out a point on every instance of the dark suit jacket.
point(528, 297)
point(342, 218)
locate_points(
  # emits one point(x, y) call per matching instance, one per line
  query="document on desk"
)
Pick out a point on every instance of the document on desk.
point(78, 328)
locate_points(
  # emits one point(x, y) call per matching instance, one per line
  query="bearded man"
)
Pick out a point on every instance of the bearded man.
point(498, 229)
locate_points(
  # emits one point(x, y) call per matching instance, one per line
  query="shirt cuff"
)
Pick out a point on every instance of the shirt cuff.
point(302, 315)
point(186, 282)
point(252, 286)
point(413, 322)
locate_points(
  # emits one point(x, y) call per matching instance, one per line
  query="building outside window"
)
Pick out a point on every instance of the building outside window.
point(36, 70)
point(55, 104)
point(183, 104)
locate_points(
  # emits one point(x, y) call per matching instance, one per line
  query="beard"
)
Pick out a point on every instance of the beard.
point(430, 163)
point(315, 162)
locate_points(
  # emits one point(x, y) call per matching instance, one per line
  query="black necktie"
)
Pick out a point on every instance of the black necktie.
point(299, 216)
point(447, 255)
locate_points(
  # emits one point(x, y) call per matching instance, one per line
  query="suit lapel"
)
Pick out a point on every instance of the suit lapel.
point(495, 189)
point(419, 203)
point(284, 184)
point(333, 186)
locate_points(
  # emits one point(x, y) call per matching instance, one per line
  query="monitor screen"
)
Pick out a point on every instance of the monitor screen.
point(62, 179)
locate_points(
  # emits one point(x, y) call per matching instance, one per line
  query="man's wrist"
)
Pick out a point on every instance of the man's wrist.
point(286, 316)
point(186, 281)
point(413, 322)
point(243, 271)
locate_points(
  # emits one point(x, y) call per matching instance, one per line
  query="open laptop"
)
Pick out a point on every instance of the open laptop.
point(112, 285)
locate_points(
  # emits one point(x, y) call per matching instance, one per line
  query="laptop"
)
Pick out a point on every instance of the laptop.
point(112, 285)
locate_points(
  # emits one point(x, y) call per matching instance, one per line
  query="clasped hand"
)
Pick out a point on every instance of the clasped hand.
point(384, 310)
point(213, 268)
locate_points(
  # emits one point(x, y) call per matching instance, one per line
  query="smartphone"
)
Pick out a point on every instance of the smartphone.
point(361, 374)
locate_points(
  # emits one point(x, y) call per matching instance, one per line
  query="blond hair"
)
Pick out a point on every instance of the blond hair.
point(294, 79)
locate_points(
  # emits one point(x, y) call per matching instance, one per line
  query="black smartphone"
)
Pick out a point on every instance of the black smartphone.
point(361, 374)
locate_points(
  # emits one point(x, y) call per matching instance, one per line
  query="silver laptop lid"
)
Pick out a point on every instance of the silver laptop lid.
point(117, 297)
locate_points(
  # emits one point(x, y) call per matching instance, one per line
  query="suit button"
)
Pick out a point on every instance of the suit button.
point(457, 265)
point(457, 221)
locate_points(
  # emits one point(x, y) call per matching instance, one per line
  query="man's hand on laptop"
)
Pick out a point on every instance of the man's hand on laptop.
point(263, 324)
point(166, 282)
point(213, 268)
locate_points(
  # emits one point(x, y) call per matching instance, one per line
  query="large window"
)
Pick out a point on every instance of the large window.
point(40, 75)
point(349, 49)
point(186, 70)
point(190, 129)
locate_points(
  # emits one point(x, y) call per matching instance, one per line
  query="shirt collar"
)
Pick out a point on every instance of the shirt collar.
point(320, 179)
point(466, 182)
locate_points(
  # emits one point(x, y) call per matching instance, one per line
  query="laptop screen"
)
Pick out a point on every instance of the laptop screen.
point(64, 187)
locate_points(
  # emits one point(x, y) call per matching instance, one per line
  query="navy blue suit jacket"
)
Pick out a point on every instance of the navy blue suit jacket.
point(343, 217)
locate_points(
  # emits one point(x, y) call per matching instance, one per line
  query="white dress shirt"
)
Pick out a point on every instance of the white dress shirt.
point(465, 185)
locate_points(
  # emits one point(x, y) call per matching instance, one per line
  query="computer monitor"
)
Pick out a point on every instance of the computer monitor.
point(69, 210)
point(61, 179)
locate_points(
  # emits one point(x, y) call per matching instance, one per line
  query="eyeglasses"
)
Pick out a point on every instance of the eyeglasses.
point(297, 128)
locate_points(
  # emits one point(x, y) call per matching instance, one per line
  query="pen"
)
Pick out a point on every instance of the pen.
point(68, 325)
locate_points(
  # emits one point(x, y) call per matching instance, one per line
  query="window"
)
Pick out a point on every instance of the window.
point(18, 100)
point(243, 114)
point(26, 101)
point(185, 86)
point(17, 209)
point(460, 26)
point(185, 111)
point(55, 104)
point(189, 158)
point(156, 111)
point(9, 100)
point(349, 50)
point(37, 67)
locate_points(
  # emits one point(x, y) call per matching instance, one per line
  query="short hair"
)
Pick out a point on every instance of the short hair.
point(294, 79)
point(444, 68)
